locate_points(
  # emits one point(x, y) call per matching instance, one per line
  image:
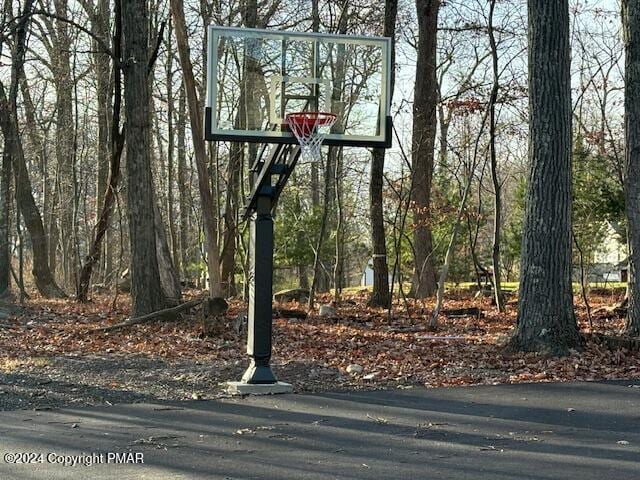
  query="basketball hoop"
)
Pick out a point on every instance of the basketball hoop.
point(306, 126)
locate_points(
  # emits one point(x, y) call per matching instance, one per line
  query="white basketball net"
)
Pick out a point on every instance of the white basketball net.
point(310, 128)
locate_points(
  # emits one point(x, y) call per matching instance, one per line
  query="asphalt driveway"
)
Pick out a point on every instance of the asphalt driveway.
point(538, 431)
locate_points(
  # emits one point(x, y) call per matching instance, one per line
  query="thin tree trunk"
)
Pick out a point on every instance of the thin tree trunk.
point(631, 25)
point(381, 295)
point(49, 185)
point(170, 156)
point(497, 187)
point(24, 198)
point(182, 181)
point(64, 145)
point(100, 28)
point(315, 181)
point(5, 197)
point(13, 144)
point(338, 271)
point(449, 255)
point(424, 134)
point(546, 320)
point(338, 107)
point(236, 159)
point(5, 215)
point(456, 226)
point(20, 280)
point(104, 90)
point(197, 132)
point(169, 278)
point(117, 145)
point(323, 228)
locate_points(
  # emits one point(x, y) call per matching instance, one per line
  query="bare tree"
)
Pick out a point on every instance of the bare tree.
point(116, 137)
point(183, 196)
point(146, 288)
point(497, 186)
point(5, 191)
point(13, 144)
point(424, 133)
point(381, 295)
point(197, 132)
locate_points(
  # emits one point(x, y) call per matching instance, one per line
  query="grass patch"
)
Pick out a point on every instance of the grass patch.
point(506, 287)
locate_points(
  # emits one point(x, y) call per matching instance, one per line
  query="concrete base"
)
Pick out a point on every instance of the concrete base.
point(241, 388)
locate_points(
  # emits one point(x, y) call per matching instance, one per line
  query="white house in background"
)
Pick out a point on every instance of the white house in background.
point(610, 258)
point(367, 276)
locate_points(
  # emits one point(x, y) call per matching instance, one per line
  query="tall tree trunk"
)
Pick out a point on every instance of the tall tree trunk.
point(546, 320)
point(381, 295)
point(5, 215)
point(170, 155)
point(424, 134)
point(197, 132)
point(497, 187)
point(13, 144)
point(104, 86)
point(315, 180)
point(182, 181)
point(146, 289)
point(101, 61)
point(64, 137)
point(631, 25)
point(338, 271)
point(5, 195)
point(334, 175)
point(169, 277)
point(117, 144)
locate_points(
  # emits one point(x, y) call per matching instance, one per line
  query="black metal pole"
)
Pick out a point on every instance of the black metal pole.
point(260, 294)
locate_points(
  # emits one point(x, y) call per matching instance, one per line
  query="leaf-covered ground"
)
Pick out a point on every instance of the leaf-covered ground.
point(50, 343)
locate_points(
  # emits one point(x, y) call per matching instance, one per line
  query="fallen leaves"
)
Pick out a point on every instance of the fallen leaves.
point(363, 348)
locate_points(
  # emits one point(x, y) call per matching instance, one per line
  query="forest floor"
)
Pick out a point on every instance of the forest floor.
point(51, 357)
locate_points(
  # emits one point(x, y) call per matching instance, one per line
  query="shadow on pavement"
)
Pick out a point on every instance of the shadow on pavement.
point(480, 433)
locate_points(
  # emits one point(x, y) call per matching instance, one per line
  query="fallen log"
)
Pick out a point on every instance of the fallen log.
point(614, 342)
point(151, 316)
point(288, 313)
point(406, 329)
point(611, 311)
point(463, 312)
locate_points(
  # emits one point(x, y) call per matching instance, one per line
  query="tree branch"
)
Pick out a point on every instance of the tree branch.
point(99, 41)
point(150, 316)
point(154, 54)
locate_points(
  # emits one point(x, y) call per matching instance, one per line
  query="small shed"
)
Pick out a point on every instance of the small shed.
point(366, 279)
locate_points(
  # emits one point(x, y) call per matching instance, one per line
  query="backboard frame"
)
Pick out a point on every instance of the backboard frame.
point(383, 137)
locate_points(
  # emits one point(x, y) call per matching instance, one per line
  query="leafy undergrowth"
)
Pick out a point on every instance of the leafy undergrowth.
point(393, 351)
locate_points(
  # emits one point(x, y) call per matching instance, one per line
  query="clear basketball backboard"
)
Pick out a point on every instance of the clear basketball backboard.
point(256, 78)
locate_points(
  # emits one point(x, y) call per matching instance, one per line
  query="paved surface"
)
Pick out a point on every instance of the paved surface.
point(542, 431)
